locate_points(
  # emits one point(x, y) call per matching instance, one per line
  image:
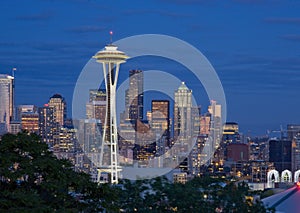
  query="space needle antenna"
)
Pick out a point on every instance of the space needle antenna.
point(13, 71)
point(111, 35)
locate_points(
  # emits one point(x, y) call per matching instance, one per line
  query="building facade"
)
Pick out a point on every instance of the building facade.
point(183, 114)
point(135, 95)
point(160, 123)
point(48, 127)
point(60, 108)
point(6, 102)
point(280, 153)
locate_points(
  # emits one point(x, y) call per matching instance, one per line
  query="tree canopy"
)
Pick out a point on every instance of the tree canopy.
point(33, 179)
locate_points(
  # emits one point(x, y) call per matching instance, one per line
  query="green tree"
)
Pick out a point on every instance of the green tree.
point(32, 179)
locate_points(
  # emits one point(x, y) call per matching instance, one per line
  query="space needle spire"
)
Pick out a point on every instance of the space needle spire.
point(110, 58)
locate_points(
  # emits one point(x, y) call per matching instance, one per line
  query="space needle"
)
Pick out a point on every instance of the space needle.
point(110, 58)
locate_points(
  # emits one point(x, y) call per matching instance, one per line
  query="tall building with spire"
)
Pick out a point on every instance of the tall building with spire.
point(182, 114)
point(6, 102)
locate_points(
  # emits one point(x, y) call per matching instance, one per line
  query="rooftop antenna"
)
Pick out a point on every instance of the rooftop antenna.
point(13, 71)
point(111, 34)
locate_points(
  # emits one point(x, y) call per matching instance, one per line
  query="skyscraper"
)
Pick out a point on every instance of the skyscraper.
point(160, 124)
point(293, 131)
point(6, 102)
point(66, 145)
point(111, 58)
point(96, 107)
point(135, 95)
point(194, 159)
point(60, 108)
point(97, 95)
point(30, 122)
point(131, 119)
point(215, 127)
point(91, 145)
point(182, 114)
point(230, 136)
point(280, 153)
point(293, 134)
point(23, 109)
point(48, 127)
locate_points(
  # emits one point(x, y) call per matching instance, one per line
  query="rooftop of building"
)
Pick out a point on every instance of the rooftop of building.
point(6, 76)
point(183, 87)
point(57, 96)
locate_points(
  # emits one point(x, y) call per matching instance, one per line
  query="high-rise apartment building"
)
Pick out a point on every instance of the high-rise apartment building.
point(66, 144)
point(20, 109)
point(60, 108)
point(48, 127)
point(6, 102)
point(30, 122)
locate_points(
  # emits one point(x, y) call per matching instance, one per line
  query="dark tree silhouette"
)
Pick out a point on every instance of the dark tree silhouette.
point(32, 179)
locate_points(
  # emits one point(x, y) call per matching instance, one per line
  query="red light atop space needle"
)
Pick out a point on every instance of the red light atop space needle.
point(111, 34)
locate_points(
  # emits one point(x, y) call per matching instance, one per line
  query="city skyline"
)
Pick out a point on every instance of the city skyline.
point(252, 45)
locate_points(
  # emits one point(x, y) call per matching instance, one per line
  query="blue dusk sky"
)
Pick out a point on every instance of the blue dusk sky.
point(254, 46)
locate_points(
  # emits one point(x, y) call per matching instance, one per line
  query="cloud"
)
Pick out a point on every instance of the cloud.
point(36, 17)
point(250, 1)
point(86, 29)
point(158, 12)
point(291, 37)
point(8, 44)
point(283, 20)
point(52, 46)
point(188, 1)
